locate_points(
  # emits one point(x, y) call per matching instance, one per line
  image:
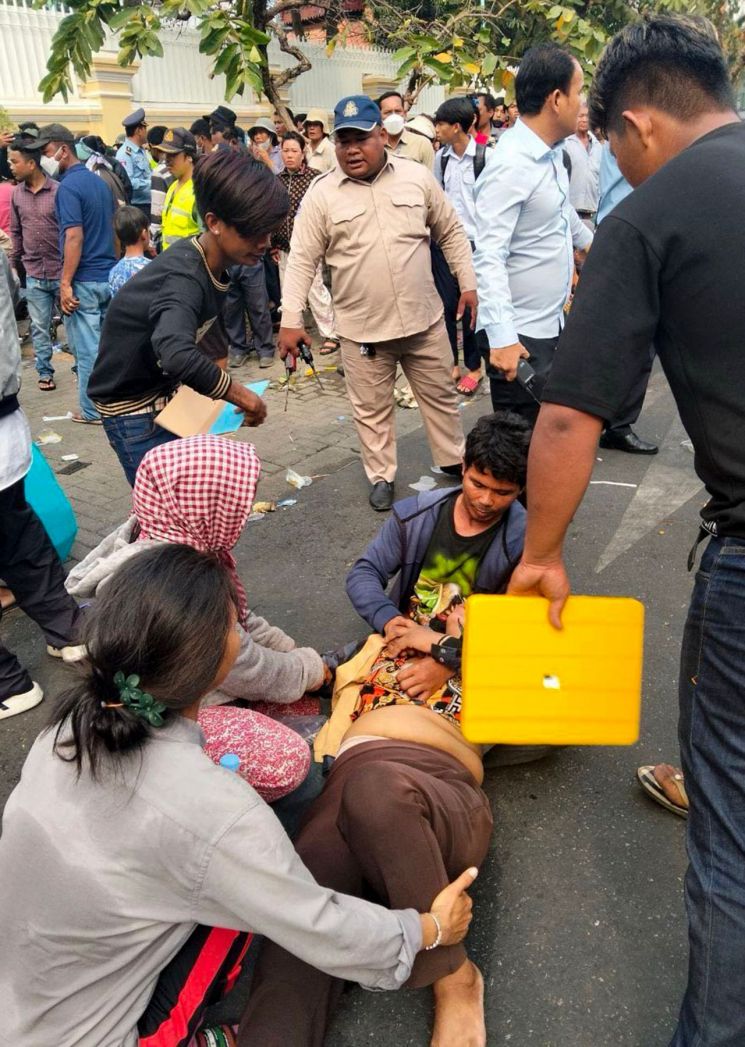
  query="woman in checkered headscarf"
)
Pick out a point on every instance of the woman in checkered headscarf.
point(198, 492)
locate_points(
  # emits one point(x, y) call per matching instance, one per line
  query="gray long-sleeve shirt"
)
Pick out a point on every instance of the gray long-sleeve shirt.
point(104, 881)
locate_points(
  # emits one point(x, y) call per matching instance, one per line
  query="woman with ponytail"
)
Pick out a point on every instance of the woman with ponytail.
point(134, 869)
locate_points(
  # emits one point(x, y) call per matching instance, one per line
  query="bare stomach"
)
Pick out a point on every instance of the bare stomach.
point(413, 723)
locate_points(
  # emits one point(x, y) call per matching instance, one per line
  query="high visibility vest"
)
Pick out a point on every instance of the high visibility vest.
point(179, 217)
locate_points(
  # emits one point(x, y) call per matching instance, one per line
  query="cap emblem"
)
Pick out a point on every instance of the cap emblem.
point(350, 109)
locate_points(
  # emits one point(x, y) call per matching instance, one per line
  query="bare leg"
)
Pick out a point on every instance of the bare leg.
point(459, 1009)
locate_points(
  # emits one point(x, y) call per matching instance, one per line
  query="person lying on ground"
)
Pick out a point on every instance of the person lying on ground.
point(164, 328)
point(402, 806)
point(134, 870)
point(199, 492)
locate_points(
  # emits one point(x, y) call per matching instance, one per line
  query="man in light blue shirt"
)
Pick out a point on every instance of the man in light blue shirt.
point(133, 156)
point(528, 230)
point(457, 166)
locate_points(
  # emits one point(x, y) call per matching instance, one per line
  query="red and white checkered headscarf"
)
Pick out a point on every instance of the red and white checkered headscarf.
point(198, 491)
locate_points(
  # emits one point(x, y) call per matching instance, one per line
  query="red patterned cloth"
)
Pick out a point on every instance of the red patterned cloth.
point(273, 758)
point(198, 491)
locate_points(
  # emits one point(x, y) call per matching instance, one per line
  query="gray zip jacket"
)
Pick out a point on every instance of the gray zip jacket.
point(269, 666)
point(104, 881)
point(10, 346)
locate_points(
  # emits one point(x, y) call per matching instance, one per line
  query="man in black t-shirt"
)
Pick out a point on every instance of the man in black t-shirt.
point(665, 271)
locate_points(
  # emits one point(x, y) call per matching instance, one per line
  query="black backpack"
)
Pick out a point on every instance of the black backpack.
point(479, 162)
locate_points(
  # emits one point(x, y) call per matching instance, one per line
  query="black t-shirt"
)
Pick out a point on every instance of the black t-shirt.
point(449, 569)
point(151, 331)
point(666, 268)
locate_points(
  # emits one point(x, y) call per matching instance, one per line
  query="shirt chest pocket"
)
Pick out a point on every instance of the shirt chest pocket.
point(408, 213)
point(349, 222)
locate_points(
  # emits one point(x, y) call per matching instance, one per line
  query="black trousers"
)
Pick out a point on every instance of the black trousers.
point(633, 408)
point(248, 294)
point(511, 396)
point(30, 567)
point(449, 292)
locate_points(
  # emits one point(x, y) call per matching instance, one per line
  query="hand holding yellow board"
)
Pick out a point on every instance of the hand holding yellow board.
point(526, 683)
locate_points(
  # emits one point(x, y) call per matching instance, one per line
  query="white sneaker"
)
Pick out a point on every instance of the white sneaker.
point(72, 653)
point(19, 703)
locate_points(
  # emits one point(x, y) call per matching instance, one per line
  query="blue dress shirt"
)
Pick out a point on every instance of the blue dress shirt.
point(613, 186)
point(526, 233)
point(136, 164)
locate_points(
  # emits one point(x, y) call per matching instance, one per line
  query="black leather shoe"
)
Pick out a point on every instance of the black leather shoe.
point(628, 442)
point(452, 470)
point(381, 496)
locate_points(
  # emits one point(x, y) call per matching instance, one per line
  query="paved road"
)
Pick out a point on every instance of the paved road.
point(579, 924)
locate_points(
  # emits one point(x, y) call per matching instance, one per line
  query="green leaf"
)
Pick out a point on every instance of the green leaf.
point(120, 19)
point(488, 65)
point(226, 57)
point(403, 54)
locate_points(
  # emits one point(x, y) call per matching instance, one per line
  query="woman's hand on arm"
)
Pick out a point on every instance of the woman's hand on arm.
point(453, 910)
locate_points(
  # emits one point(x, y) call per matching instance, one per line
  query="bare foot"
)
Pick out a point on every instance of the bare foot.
point(7, 599)
point(459, 1009)
point(670, 780)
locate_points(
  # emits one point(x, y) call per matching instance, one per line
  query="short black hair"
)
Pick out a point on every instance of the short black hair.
point(243, 192)
point(201, 127)
point(456, 111)
point(129, 225)
point(300, 118)
point(498, 444)
point(294, 136)
point(490, 101)
point(543, 69)
point(673, 64)
point(498, 101)
point(27, 147)
point(390, 94)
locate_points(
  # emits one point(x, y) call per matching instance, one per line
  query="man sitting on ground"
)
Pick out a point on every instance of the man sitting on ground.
point(402, 806)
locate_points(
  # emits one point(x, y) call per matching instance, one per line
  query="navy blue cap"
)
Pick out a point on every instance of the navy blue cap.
point(357, 112)
point(134, 119)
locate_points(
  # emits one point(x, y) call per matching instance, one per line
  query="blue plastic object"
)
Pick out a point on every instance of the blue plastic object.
point(229, 419)
point(230, 762)
point(50, 503)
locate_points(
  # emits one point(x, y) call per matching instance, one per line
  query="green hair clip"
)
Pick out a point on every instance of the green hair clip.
point(140, 702)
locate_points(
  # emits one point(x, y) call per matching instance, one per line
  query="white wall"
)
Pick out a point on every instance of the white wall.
point(181, 77)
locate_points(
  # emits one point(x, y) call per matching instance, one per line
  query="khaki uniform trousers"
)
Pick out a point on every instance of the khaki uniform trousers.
point(427, 361)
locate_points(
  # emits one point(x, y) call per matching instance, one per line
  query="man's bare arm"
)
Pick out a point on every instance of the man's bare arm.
point(562, 454)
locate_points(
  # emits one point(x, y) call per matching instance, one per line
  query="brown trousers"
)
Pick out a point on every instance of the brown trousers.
point(395, 823)
point(427, 362)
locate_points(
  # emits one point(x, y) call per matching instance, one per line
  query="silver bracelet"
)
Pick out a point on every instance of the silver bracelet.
point(438, 939)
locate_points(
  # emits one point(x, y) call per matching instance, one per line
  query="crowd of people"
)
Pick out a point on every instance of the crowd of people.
point(547, 233)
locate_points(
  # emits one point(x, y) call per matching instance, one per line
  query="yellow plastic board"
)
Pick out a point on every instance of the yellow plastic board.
point(526, 683)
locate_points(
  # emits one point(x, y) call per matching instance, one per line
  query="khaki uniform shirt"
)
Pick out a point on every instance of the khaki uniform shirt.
point(415, 147)
point(375, 238)
point(321, 157)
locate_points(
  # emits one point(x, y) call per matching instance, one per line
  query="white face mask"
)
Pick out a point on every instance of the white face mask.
point(394, 124)
point(49, 165)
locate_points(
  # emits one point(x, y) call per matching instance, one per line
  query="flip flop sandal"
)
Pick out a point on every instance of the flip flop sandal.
point(330, 345)
point(467, 386)
point(652, 788)
point(46, 385)
point(85, 421)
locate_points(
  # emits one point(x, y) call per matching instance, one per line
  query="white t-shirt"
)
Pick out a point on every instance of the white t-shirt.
point(15, 448)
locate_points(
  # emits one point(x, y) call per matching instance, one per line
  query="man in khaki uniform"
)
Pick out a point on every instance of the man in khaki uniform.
point(371, 218)
point(399, 139)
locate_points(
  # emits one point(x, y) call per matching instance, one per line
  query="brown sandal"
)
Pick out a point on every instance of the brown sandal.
point(47, 385)
point(330, 345)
